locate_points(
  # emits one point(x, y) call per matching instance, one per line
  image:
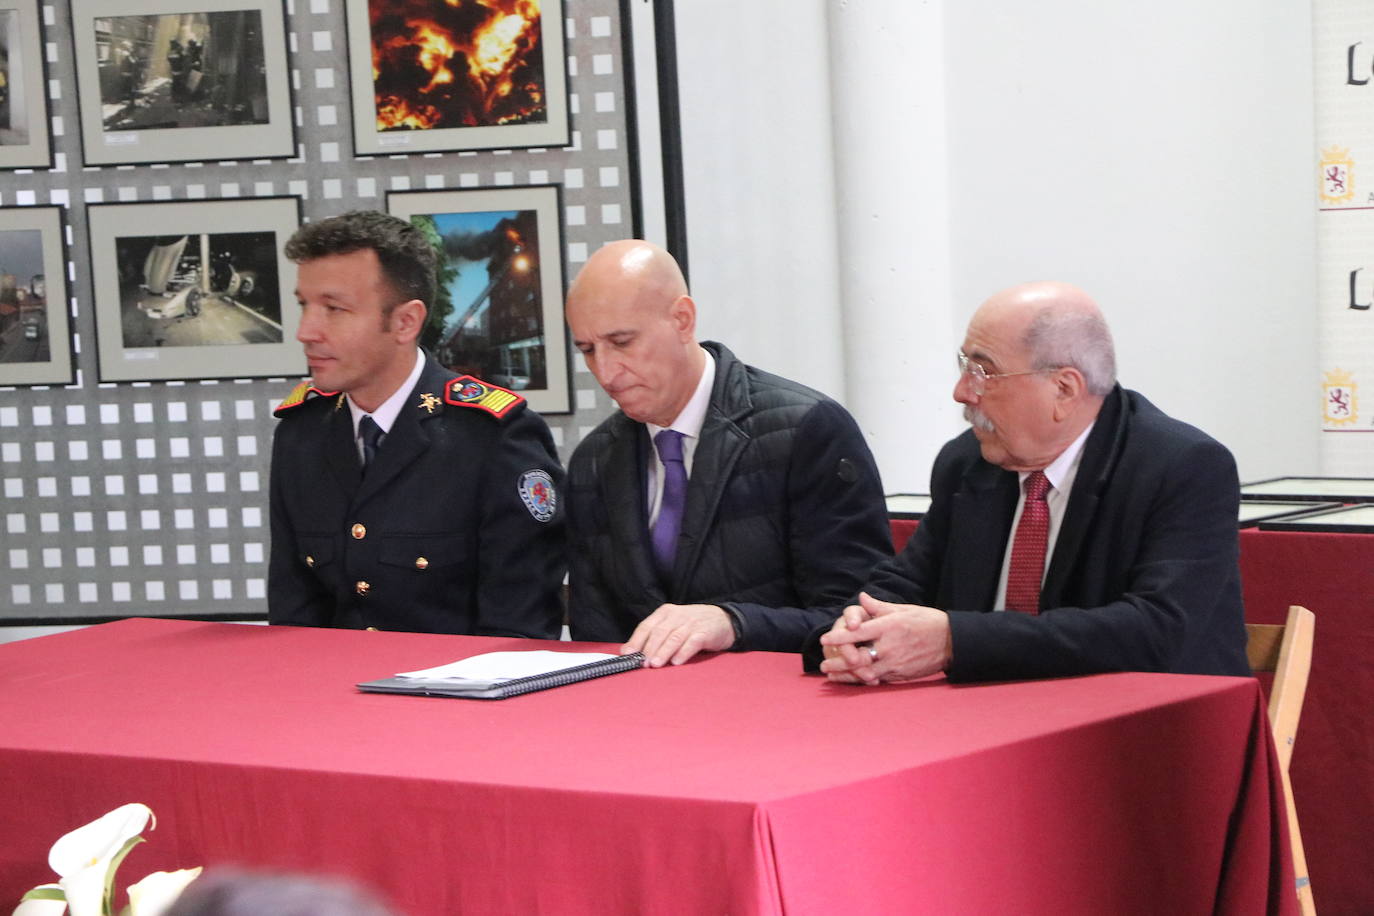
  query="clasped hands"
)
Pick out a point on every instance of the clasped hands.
point(876, 641)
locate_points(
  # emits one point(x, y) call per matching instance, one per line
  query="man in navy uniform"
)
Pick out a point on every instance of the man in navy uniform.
point(716, 492)
point(403, 497)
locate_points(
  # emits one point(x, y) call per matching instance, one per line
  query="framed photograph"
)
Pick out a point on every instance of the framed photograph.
point(1255, 512)
point(195, 289)
point(182, 80)
point(907, 505)
point(498, 312)
point(24, 141)
point(1357, 519)
point(1315, 489)
point(433, 75)
point(35, 343)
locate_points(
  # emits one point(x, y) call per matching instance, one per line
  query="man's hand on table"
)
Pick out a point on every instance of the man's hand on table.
point(876, 641)
point(676, 632)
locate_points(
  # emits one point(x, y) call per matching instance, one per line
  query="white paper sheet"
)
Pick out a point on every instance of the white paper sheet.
point(504, 666)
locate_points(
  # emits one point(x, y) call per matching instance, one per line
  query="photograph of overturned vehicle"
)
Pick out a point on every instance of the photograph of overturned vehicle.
point(198, 290)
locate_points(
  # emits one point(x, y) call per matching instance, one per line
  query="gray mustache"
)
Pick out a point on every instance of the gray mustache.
point(978, 419)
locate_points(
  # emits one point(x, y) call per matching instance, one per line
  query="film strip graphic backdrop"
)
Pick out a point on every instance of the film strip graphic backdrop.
point(1343, 46)
point(150, 498)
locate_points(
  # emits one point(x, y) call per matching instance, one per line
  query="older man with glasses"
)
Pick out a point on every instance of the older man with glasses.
point(1074, 529)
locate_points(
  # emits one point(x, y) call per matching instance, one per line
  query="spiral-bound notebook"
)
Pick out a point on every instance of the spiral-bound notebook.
point(499, 688)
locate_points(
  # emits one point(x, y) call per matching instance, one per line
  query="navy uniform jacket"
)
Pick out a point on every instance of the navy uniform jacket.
point(456, 527)
point(784, 507)
point(1144, 575)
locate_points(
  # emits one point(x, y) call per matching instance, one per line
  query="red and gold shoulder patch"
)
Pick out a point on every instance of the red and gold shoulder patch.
point(466, 391)
point(299, 395)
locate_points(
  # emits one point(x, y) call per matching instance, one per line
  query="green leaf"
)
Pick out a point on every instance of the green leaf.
point(108, 905)
point(46, 892)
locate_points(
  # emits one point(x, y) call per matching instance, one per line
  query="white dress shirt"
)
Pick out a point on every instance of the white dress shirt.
point(385, 415)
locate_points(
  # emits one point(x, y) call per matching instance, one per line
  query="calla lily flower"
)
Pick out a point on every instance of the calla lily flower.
point(155, 893)
point(85, 859)
point(43, 900)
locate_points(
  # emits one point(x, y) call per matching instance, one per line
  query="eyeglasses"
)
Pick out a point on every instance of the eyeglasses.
point(978, 376)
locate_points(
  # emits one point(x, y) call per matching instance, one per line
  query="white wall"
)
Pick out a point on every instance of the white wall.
point(1159, 156)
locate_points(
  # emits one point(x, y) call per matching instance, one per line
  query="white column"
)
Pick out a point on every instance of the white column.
point(887, 86)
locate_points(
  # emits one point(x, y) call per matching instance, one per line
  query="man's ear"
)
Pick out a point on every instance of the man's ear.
point(683, 313)
point(408, 320)
point(1069, 388)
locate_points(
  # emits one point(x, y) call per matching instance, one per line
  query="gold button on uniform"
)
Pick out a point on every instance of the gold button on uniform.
point(359, 531)
point(362, 587)
point(310, 561)
point(421, 563)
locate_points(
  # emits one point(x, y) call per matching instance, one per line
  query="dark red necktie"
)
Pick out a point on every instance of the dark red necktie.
point(1028, 547)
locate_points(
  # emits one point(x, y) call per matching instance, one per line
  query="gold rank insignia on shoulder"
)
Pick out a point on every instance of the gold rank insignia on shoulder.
point(302, 393)
point(429, 402)
point(466, 391)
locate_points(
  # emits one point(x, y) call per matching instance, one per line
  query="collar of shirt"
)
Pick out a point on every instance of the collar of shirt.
point(1062, 470)
point(390, 409)
point(689, 423)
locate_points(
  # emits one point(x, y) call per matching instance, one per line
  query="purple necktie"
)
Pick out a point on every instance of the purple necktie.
point(669, 523)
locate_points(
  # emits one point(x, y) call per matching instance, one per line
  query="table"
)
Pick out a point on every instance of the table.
point(734, 784)
point(1333, 760)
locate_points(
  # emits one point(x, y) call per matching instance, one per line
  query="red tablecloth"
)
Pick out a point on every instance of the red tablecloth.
point(1333, 759)
point(736, 784)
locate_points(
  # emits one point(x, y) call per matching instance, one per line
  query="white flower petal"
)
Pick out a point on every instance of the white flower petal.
point(99, 840)
point(86, 890)
point(42, 905)
point(158, 891)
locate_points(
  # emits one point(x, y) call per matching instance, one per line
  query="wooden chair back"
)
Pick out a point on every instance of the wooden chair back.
point(1286, 651)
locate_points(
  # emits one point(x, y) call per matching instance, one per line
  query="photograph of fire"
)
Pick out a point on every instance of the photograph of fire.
point(181, 70)
point(488, 316)
point(438, 65)
point(199, 290)
point(437, 75)
point(23, 298)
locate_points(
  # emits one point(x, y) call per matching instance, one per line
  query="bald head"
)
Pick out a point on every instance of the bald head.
point(1060, 325)
point(631, 270)
point(1040, 362)
point(633, 321)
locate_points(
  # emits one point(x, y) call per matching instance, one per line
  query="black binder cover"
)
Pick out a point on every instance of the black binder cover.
point(500, 690)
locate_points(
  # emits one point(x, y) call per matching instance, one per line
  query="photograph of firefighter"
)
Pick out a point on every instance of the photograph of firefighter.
point(199, 289)
point(488, 316)
point(440, 65)
point(181, 70)
point(23, 298)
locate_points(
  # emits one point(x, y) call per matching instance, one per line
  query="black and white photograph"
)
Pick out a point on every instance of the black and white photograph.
point(202, 290)
point(498, 309)
point(209, 296)
point(24, 141)
point(35, 346)
point(430, 75)
point(184, 70)
point(202, 79)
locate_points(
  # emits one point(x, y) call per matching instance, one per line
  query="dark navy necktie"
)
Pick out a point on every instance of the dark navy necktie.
point(669, 523)
point(372, 436)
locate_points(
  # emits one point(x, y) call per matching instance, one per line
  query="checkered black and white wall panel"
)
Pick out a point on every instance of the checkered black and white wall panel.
point(150, 498)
